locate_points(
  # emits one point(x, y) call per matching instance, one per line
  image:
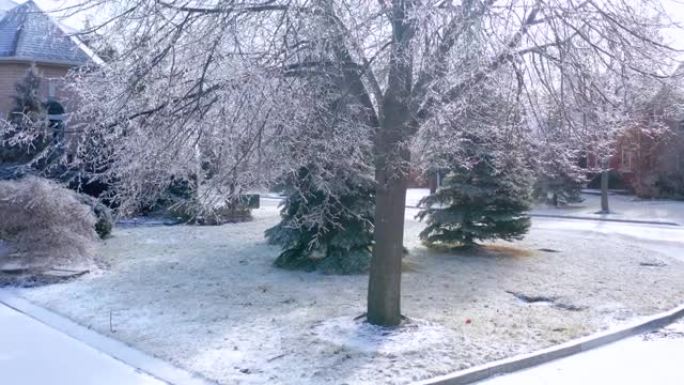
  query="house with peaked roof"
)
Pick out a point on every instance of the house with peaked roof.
point(649, 155)
point(30, 36)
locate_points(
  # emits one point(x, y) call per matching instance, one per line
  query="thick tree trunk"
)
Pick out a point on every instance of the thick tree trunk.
point(392, 158)
point(604, 189)
point(391, 174)
point(384, 286)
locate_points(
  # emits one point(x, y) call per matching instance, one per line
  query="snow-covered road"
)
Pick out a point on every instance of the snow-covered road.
point(32, 353)
point(623, 207)
point(665, 239)
point(654, 358)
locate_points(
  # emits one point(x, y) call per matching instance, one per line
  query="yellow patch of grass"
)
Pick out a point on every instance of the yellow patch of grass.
point(507, 251)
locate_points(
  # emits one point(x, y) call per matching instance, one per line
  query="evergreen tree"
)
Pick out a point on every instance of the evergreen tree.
point(322, 229)
point(327, 215)
point(28, 114)
point(27, 102)
point(560, 178)
point(483, 198)
point(559, 175)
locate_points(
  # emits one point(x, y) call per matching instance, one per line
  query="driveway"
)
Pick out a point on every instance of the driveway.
point(32, 353)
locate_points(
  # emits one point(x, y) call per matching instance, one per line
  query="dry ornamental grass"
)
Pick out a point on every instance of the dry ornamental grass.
point(44, 224)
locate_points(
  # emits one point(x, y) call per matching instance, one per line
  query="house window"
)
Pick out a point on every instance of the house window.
point(627, 163)
point(54, 85)
point(52, 88)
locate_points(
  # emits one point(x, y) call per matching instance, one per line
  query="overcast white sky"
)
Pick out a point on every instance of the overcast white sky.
point(675, 9)
point(49, 5)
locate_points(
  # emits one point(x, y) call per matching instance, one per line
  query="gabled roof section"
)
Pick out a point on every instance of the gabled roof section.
point(27, 33)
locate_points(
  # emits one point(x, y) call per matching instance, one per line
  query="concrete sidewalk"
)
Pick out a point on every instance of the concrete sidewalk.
point(32, 353)
point(653, 358)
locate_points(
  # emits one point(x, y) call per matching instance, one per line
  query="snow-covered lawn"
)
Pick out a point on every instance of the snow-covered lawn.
point(208, 299)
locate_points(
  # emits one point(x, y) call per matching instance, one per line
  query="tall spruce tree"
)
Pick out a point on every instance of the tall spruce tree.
point(480, 199)
point(327, 215)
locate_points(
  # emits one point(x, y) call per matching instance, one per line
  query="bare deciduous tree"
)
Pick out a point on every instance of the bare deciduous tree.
point(230, 77)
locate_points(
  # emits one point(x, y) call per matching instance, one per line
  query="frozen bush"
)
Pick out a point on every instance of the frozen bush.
point(103, 214)
point(45, 223)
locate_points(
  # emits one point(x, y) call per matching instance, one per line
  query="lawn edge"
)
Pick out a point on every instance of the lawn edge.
point(155, 367)
point(174, 375)
point(529, 360)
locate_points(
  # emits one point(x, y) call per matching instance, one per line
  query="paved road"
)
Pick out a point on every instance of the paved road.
point(655, 358)
point(668, 240)
point(623, 207)
point(32, 353)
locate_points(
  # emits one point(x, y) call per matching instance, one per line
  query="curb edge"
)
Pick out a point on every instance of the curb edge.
point(529, 360)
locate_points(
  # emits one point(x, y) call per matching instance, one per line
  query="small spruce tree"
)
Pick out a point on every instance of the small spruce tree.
point(481, 199)
point(27, 102)
point(560, 178)
point(331, 231)
point(28, 114)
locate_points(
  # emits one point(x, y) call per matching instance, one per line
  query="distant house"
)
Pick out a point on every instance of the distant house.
point(30, 36)
point(650, 160)
point(649, 156)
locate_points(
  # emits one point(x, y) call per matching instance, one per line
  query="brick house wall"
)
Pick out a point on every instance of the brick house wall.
point(656, 161)
point(51, 87)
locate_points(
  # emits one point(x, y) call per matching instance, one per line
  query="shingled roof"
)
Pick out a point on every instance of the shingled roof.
point(29, 34)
